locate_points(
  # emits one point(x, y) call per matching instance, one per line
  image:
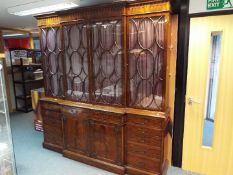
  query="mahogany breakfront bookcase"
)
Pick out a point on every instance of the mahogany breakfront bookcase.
point(107, 85)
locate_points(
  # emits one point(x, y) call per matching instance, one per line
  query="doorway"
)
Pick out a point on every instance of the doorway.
point(208, 129)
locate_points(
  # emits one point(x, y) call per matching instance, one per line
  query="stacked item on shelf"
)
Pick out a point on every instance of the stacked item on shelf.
point(37, 94)
point(38, 74)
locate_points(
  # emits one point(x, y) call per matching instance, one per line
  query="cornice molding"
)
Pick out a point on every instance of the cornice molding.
point(103, 11)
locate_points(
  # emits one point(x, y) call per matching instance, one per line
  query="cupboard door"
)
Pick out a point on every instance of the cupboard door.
point(52, 126)
point(107, 61)
point(75, 133)
point(106, 141)
point(52, 61)
point(77, 61)
point(69, 133)
point(146, 58)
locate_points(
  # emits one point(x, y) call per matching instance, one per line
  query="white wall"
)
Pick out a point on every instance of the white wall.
point(199, 6)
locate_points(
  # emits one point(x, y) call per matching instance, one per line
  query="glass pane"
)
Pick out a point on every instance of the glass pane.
point(212, 90)
point(76, 61)
point(107, 61)
point(52, 62)
point(146, 62)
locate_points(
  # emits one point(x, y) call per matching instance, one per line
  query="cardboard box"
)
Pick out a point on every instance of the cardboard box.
point(36, 95)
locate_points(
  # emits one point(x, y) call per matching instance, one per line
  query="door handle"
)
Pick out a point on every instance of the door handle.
point(191, 100)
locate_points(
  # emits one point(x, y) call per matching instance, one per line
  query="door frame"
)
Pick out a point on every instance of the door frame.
point(181, 76)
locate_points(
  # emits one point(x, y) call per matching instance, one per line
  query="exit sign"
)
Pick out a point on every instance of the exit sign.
point(219, 4)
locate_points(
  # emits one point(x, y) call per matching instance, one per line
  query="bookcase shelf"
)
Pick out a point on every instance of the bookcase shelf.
point(22, 75)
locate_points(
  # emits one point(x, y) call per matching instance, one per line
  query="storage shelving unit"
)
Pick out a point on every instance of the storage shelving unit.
point(22, 75)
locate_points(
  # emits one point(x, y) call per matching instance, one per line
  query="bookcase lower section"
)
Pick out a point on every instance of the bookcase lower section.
point(118, 140)
point(95, 162)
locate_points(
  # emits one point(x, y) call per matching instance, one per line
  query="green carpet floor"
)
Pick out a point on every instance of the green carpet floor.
point(32, 159)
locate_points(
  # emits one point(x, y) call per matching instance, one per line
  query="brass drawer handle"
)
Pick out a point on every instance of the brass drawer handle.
point(72, 111)
point(144, 122)
point(143, 132)
point(140, 152)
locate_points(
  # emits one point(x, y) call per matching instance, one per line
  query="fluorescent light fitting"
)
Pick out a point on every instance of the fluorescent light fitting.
point(41, 10)
point(13, 34)
point(124, 0)
point(43, 6)
point(3, 146)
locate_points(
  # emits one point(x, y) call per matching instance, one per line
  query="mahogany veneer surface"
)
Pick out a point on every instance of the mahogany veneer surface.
point(106, 72)
point(105, 139)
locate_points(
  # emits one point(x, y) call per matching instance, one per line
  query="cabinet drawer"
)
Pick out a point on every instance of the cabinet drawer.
point(146, 151)
point(73, 111)
point(52, 121)
point(54, 139)
point(141, 163)
point(144, 135)
point(46, 114)
point(50, 106)
point(53, 129)
point(151, 122)
point(106, 117)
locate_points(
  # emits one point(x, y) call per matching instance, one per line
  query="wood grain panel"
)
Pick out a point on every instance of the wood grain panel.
point(50, 107)
point(143, 163)
point(76, 132)
point(107, 117)
point(144, 121)
point(144, 136)
point(141, 9)
point(117, 138)
point(144, 150)
point(53, 130)
point(107, 143)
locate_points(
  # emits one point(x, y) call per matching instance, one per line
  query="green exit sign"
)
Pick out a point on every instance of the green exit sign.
point(219, 4)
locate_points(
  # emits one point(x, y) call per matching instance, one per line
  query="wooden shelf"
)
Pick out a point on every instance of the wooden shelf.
point(27, 81)
point(22, 78)
point(29, 65)
point(23, 97)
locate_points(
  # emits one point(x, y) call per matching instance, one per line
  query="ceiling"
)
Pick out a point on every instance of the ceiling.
point(28, 22)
